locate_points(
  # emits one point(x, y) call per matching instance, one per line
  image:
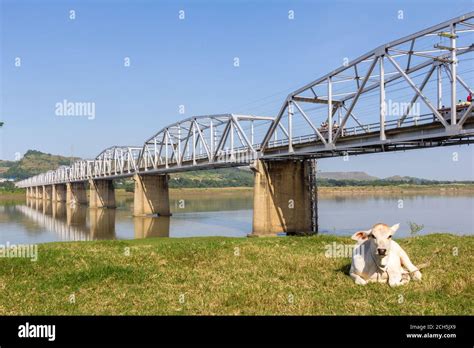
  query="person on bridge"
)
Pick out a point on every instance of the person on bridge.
point(469, 98)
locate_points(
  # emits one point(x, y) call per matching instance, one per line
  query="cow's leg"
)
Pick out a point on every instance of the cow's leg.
point(396, 279)
point(406, 262)
point(382, 278)
point(358, 279)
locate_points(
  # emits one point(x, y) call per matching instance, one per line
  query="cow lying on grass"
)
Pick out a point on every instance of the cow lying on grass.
point(378, 258)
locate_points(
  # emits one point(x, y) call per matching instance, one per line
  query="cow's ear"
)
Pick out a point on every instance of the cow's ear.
point(361, 235)
point(394, 228)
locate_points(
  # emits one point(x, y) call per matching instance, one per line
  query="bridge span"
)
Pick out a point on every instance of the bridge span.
point(407, 94)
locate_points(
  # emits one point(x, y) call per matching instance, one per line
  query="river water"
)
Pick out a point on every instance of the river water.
point(228, 214)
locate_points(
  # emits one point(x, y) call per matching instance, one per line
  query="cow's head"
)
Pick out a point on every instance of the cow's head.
point(379, 240)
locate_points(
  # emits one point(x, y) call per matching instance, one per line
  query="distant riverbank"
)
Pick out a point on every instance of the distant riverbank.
point(443, 189)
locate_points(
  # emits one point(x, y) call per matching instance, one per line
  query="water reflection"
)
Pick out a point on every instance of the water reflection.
point(79, 222)
point(66, 227)
point(227, 214)
point(145, 227)
point(102, 223)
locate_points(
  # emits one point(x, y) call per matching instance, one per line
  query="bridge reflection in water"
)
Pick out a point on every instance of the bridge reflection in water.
point(79, 223)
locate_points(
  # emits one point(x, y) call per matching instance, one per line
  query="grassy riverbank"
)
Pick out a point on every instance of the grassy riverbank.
point(230, 276)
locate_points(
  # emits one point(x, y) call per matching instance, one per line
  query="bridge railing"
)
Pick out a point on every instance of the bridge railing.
point(357, 130)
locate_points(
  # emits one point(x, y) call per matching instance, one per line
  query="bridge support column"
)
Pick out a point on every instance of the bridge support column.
point(59, 193)
point(282, 197)
point(47, 192)
point(151, 195)
point(39, 192)
point(76, 193)
point(101, 194)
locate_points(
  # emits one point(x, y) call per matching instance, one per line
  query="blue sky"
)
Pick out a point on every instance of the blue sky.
point(190, 62)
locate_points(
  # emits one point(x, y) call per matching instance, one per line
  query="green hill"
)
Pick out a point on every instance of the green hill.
point(32, 163)
point(5, 165)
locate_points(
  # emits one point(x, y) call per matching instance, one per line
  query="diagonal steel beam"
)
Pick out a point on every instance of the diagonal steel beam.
point(356, 97)
point(417, 90)
point(185, 145)
point(415, 98)
point(272, 128)
point(222, 141)
point(310, 123)
point(241, 131)
point(356, 119)
point(203, 141)
point(466, 114)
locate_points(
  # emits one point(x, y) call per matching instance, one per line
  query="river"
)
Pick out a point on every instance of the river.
point(228, 214)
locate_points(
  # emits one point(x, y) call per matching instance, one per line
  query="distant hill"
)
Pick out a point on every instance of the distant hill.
point(404, 178)
point(32, 163)
point(346, 176)
point(5, 165)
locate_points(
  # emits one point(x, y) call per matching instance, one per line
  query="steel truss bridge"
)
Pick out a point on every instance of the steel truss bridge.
point(406, 94)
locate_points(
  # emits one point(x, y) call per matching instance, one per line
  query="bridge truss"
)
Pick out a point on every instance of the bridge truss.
point(361, 105)
point(430, 64)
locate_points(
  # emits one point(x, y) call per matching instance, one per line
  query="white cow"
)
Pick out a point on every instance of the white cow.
point(378, 258)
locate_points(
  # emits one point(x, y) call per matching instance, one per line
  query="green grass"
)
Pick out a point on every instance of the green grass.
point(268, 276)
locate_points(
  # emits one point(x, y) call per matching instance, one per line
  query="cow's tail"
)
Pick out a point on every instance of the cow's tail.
point(423, 265)
point(428, 263)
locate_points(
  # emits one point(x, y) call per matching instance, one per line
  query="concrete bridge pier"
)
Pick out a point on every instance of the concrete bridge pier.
point(151, 195)
point(47, 192)
point(282, 197)
point(59, 192)
point(101, 194)
point(76, 193)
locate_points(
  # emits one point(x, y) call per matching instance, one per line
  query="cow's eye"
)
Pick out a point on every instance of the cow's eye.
point(372, 236)
point(389, 237)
